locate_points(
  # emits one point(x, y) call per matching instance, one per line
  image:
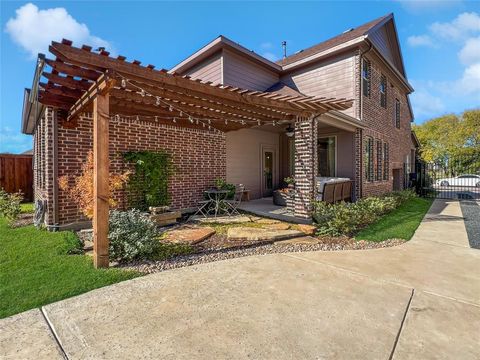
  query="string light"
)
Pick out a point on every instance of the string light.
point(157, 101)
point(124, 83)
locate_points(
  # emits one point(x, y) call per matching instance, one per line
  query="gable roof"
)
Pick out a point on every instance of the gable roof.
point(335, 41)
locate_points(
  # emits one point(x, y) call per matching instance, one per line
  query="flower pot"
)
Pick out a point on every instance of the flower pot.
point(280, 198)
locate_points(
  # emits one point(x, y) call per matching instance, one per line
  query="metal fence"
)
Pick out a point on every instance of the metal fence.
point(451, 179)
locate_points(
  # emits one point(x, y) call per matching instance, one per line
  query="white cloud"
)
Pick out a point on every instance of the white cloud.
point(470, 53)
point(459, 28)
point(470, 81)
point(426, 105)
point(13, 141)
point(34, 29)
point(420, 6)
point(270, 56)
point(420, 40)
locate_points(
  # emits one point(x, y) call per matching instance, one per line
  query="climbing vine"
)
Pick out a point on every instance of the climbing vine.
point(148, 184)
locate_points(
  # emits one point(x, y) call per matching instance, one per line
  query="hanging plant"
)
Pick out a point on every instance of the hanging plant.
point(148, 184)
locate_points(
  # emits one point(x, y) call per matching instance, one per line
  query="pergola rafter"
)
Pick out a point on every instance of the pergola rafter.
point(81, 80)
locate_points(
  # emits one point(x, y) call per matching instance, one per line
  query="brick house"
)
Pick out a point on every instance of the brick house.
point(352, 86)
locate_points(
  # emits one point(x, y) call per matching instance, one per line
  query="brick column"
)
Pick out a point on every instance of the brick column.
point(305, 165)
point(50, 181)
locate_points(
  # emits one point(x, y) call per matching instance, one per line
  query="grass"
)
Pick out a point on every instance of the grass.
point(26, 208)
point(36, 269)
point(401, 223)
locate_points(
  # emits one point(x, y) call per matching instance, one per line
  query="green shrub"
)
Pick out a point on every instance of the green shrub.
point(71, 245)
point(10, 205)
point(348, 218)
point(132, 235)
point(221, 184)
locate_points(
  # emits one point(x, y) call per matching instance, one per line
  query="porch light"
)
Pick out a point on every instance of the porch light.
point(289, 131)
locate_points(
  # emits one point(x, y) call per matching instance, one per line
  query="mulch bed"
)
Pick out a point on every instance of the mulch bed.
point(23, 220)
point(218, 247)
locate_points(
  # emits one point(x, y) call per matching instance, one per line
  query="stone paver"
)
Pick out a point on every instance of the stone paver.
point(256, 234)
point(27, 336)
point(307, 229)
point(224, 219)
point(279, 226)
point(189, 235)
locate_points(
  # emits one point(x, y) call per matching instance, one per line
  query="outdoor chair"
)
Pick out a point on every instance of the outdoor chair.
point(328, 193)
point(202, 209)
point(347, 191)
point(236, 201)
point(337, 192)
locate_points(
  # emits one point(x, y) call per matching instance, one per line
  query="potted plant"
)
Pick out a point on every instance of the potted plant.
point(281, 196)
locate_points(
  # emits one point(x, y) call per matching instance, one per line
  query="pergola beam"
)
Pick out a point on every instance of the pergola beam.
point(135, 72)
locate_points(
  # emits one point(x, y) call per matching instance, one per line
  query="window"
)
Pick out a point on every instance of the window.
point(386, 168)
point(378, 172)
point(383, 91)
point(397, 113)
point(366, 77)
point(326, 150)
point(368, 157)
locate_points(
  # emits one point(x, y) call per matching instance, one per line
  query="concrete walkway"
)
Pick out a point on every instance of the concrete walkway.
point(420, 300)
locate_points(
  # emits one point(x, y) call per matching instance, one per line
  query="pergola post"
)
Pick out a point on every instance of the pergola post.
point(101, 182)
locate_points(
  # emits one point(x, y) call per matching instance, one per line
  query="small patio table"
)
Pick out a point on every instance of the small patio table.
point(217, 198)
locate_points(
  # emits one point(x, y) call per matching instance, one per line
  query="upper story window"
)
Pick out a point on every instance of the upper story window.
point(366, 76)
point(397, 114)
point(383, 91)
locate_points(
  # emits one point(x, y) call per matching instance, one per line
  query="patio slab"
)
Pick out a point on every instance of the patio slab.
point(266, 208)
point(439, 328)
point(27, 336)
point(235, 309)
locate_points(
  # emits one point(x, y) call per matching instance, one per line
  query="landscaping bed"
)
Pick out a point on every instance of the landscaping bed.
point(223, 244)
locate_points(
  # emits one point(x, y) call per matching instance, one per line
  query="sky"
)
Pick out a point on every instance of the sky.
point(440, 41)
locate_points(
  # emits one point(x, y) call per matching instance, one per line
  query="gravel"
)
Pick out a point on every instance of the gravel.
point(217, 248)
point(471, 214)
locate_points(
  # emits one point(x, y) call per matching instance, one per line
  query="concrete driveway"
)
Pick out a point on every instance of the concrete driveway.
point(420, 300)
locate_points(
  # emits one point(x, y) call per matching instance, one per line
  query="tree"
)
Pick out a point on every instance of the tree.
point(451, 141)
point(81, 192)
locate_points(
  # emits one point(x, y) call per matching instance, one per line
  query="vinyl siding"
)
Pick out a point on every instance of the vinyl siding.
point(334, 77)
point(209, 69)
point(246, 74)
point(384, 40)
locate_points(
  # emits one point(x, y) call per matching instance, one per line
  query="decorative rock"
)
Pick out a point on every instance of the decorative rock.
point(258, 234)
point(189, 235)
point(158, 209)
point(87, 245)
point(307, 229)
point(166, 218)
point(299, 240)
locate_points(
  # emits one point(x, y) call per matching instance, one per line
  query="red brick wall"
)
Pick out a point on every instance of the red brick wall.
point(380, 123)
point(199, 157)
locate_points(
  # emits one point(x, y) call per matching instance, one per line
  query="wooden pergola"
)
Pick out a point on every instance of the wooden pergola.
point(84, 81)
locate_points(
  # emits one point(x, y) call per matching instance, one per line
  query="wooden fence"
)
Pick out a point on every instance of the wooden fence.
point(16, 174)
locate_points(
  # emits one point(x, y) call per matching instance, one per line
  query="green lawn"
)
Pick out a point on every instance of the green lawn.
point(399, 224)
point(35, 269)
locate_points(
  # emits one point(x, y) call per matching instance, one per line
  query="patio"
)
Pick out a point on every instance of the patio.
point(266, 208)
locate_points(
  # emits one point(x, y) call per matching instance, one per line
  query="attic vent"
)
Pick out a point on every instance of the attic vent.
point(348, 30)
